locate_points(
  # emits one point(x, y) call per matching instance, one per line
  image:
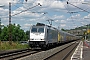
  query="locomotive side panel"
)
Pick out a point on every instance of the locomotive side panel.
point(52, 36)
point(44, 36)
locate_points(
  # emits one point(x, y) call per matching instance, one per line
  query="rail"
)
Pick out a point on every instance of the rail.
point(69, 52)
point(70, 49)
point(16, 54)
point(77, 55)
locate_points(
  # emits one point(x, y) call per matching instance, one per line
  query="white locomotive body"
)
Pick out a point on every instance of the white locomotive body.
point(44, 36)
point(40, 36)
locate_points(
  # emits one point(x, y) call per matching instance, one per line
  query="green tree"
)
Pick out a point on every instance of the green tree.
point(28, 34)
point(4, 34)
point(63, 29)
point(17, 34)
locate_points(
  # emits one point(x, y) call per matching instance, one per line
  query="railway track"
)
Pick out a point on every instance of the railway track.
point(58, 53)
point(63, 54)
point(11, 55)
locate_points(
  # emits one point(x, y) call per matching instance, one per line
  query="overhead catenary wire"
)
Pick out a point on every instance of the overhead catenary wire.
point(82, 10)
point(78, 7)
point(27, 9)
point(71, 12)
point(24, 11)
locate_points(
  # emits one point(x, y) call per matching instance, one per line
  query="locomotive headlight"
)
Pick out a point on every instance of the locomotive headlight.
point(42, 39)
point(31, 39)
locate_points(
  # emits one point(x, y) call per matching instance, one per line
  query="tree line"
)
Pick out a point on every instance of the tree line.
point(17, 34)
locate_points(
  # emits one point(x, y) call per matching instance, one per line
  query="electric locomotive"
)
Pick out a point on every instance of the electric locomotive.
point(41, 36)
point(44, 36)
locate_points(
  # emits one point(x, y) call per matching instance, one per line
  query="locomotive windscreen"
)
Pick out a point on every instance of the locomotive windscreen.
point(37, 29)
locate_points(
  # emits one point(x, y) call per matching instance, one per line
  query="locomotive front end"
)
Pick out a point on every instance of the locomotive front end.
point(37, 36)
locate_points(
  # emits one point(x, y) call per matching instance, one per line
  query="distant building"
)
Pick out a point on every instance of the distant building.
point(77, 32)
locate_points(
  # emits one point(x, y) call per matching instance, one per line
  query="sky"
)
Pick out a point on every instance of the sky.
point(66, 14)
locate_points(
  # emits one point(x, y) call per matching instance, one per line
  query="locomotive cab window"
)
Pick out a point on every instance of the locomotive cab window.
point(38, 30)
point(34, 30)
point(41, 30)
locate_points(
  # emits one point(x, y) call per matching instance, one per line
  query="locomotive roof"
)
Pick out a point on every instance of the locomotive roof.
point(53, 28)
point(66, 33)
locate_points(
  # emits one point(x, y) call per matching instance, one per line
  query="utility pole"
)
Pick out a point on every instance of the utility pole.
point(0, 29)
point(10, 37)
point(0, 32)
point(10, 25)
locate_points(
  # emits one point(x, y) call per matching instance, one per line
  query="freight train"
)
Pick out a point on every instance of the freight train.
point(44, 36)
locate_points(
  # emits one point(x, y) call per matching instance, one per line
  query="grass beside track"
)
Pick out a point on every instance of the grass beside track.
point(12, 46)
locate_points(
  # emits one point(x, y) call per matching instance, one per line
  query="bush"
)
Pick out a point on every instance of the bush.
point(14, 45)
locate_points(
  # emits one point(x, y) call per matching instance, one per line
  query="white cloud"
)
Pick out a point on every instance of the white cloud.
point(86, 17)
point(56, 20)
point(27, 18)
point(63, 21)
point(63, 25)
point(57, 4)
point(6, 2)
point(58, 17)
point(26, 26)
